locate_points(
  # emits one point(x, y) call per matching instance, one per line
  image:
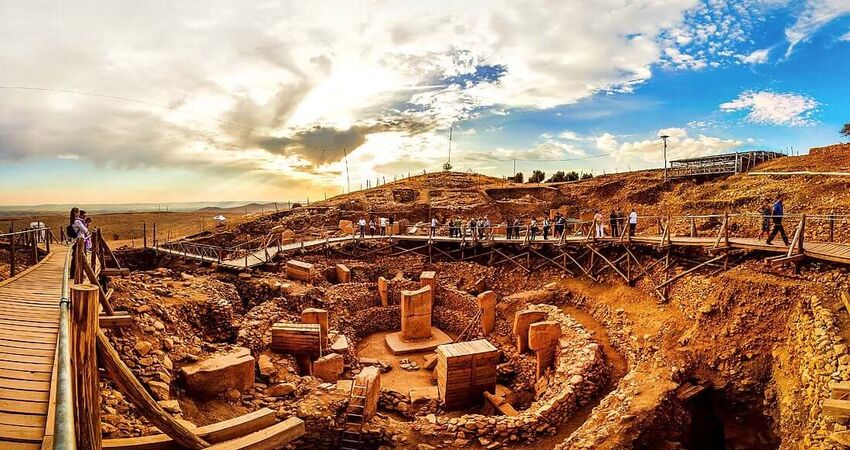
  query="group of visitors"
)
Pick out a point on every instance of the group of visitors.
point(476, 227)
point(380, 226)
point(616, 223)
point(78, 226)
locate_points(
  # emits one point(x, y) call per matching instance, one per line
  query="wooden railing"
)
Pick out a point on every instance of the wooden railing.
point(27, 242)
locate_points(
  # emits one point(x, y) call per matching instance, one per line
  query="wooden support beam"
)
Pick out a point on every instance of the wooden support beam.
point(692, 269)
point(501, 404)
point(845, 298)
point(646, 274)
point(273, 437)
point(127, 383)
point(118, 320)
point(114, 272)
point(550, 260)
point(84, 363)
point(777, 260)
point(839, 390)
point(107, 307)
point(610, 264)
point(512, 259)
point(213, 433)
point(590, 275)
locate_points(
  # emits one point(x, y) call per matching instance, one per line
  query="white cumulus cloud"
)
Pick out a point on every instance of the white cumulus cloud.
point(771, 108)
point(679, 145)
point(756, 57)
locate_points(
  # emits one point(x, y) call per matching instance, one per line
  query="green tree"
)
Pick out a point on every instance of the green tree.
point(845, 130)
point(586, 176)
point(558, 177)
point(572, 176)
point(537, 176)
point(518, 177)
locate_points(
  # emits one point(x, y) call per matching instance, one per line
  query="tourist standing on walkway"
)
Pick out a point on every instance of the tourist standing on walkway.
point(765, 220)
point(488, 227)
point(372, 227)
point(778, 212)
point(81, 228)
point(621, 221)
point(532, 228)
point(480, 225)
point(612, 221)
point(546, 225)
point(599, 223)
point(382, 222)
point(362, 224)
point(517, 226)
point(632, 222)
point(433, 226)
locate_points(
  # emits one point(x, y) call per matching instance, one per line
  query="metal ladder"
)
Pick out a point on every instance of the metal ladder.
point(352, 435)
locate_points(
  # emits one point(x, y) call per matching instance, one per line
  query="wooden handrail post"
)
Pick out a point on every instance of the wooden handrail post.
point(693, 230)
point(802, 233)
point(48, 236)
point(127, 383)
point(154, 235)
point(84, 326)
point(79, 260)
point(144, 235)
point(12, 270)
point(726, 228)
point(34, 238)
point(94, 246)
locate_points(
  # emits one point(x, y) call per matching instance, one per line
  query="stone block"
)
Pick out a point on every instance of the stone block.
point(346, 227)
point(370, 377)
point(319, 316)
point(487, 303)
point(543, 334)
point(300, 270)
point(343, 274)
point(329, 367)
point(429, 278)
point(416, 307)
point(383, 291)
point(267, 368)
point(523, 320)
point(219, 373)
point(287, 237)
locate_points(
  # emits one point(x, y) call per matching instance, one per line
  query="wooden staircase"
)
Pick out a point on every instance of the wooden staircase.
point(352, 435)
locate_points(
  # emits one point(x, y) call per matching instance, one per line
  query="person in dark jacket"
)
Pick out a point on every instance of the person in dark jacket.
point(612, 221)
point(777, 214)
point(765, 220)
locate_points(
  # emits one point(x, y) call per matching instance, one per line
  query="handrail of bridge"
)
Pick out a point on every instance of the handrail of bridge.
point(64, 436)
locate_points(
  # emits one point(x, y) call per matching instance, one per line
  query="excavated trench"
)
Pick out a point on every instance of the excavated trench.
point(649, 351)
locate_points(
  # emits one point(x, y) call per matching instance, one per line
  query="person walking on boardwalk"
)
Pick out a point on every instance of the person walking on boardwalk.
point(632, 222)
point(433, 226)
point(362, 225)
point(372, 227)
point(765, 220)
point(599, 224)
point(382, 223)
point(777, 214)
point(488, 227)
point(612, 222)
point(516, 227)
point(621, 221)
point(546, 226)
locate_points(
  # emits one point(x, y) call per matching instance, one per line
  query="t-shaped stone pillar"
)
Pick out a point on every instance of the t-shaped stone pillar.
point(416, 314)
point(429, 278)
point(522, 320)
point(319, 316)
point(383, 291)
point(487, 303)
point(543, 339)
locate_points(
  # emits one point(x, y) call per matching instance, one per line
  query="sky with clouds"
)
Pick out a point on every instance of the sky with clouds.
point(161, 101)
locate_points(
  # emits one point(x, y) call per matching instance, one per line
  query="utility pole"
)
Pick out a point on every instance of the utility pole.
point(664, 138)
point(514, 167)
point(347, 179)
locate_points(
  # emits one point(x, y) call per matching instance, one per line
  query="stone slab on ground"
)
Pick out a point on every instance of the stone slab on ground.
point(219, 373)
point(400, 347)
point(329, 367)
point(424, 393)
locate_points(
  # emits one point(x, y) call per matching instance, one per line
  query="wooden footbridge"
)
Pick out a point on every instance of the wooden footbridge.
point(724, 238)
point(51, 344)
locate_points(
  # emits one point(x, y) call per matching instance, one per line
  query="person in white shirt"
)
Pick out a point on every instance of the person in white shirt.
point(362, 224)
point(632, 222)
point(599, 223)
point(383, 224)
point(433, 226)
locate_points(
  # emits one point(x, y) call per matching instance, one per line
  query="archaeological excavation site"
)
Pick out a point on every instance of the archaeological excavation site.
point(300, 330)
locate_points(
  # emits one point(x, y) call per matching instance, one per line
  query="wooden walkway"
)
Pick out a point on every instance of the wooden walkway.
point(834, 252)
point(29, 324)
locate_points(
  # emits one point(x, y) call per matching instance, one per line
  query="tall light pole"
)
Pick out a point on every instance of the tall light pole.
point(664, 138)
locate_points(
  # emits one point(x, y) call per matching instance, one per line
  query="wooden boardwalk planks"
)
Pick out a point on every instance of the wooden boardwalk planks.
point(29, 325)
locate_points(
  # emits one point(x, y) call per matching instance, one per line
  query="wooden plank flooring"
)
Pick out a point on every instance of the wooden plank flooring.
point(29, 324)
